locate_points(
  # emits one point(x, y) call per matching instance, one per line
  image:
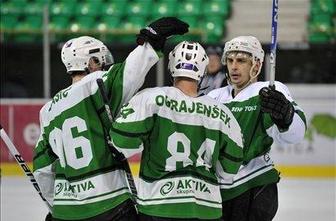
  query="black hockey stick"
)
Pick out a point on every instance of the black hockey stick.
point(15, 153)
point(118, 155)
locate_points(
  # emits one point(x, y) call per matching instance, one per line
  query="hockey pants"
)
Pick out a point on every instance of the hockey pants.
point(257, 204)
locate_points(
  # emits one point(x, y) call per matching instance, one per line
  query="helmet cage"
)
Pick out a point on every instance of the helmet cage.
point(188, 59)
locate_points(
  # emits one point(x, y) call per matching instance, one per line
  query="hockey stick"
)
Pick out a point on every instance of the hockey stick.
point(118, 155)
point(273, 41)
point(15, 153)
point(272, 57)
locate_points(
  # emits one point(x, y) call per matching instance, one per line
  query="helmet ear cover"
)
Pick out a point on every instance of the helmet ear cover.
point(188, 59)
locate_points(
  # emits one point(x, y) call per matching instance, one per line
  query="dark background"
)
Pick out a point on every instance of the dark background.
point(22, 67)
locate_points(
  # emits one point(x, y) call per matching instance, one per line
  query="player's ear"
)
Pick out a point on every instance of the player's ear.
point(256, 67)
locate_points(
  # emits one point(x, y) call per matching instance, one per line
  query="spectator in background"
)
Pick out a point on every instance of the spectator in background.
point(215, 76)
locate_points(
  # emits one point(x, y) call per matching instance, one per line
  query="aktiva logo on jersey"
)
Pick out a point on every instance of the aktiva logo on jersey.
point(167, 188)
point(184, 186)
point(71, 190)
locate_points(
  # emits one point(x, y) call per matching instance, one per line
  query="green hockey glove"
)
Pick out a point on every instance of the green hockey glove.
point(158, 31)
point(276, 104)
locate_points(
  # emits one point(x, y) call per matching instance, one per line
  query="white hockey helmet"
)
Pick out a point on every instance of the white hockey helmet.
point(248, 44)
point(188, 59)
point(77, 51)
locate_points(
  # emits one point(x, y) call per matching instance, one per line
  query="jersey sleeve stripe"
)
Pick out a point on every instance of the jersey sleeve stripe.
point(182, 173)
point(92, 173)
point(232, 158)
point(129, 134)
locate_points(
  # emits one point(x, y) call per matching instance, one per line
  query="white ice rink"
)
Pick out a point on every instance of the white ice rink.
point(299, 199)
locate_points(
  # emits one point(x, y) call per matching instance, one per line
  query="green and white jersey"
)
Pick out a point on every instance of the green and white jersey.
point(259, 132)
point(182, 139)
point(72, 162)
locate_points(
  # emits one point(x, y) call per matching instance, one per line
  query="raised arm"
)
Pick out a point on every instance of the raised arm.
point(124, 80)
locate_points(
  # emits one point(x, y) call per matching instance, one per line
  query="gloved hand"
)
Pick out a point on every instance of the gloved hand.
point(158, 31)
point(48, 217)
point(276, 104)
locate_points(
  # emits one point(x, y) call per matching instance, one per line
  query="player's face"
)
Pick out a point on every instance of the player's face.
point(239, 65)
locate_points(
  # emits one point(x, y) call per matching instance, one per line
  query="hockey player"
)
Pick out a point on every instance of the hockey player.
point(182, 138)
point(264, 114)
point(73, 164)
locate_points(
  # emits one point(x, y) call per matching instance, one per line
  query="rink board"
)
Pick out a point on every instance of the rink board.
point(13, 169)
point(315, 156)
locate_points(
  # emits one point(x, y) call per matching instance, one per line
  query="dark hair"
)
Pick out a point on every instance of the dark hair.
point(217, 50)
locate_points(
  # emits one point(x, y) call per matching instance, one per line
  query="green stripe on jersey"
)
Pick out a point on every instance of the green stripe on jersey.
point(271, 176)
point(178, 210)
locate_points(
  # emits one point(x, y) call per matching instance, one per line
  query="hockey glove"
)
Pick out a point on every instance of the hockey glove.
point(276, 104)
point(157, 32)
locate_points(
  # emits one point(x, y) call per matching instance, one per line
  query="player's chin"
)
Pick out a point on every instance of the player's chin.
point(236, 80)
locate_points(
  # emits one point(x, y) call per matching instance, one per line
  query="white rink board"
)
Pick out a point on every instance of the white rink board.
point(313, 99)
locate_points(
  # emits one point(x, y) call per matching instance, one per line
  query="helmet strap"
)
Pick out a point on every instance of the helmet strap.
point(250, 81)
point(253, 76)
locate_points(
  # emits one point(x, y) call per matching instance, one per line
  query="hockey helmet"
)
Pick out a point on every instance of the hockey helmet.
point(77, 51)
point(188, 59)
point(248, 44)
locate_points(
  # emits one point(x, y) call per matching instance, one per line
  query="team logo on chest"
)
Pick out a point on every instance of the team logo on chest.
point(245, 108)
